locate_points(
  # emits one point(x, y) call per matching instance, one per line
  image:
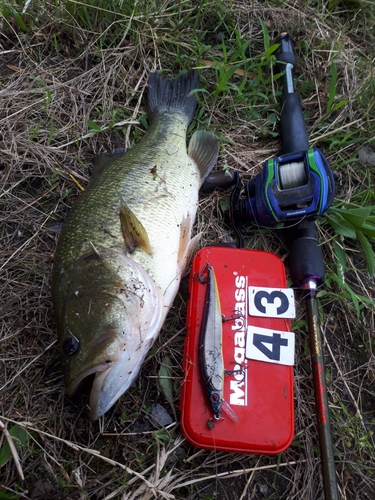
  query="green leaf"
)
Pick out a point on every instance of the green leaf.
point(4, 496)
point(354, 299)
point(165, 378)
point(368, 251)
point(368, 230)
point(359, 217)
point(341, 259)
point(20, 21)
point(94, 127)
point(224, 205)
point(224, 77)
point(266, 37)
point(332, 87)
point(20, 437)
point(349, 295)
point(341, 226)
point(271, 50)
point(340, 104)
point(239, 53)
point(162, 436)
point(356, 221)
point(358, 214)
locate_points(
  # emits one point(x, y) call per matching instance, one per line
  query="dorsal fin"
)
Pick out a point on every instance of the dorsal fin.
point(103, 160)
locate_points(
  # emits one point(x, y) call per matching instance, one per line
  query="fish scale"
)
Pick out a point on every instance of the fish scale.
point(136, 188)
point(125, 245)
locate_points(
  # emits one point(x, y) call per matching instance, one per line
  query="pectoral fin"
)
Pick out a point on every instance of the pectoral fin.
point(133, 232)
point(204, 150)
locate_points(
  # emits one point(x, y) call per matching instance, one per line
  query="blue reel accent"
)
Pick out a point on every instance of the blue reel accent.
point(270, 204)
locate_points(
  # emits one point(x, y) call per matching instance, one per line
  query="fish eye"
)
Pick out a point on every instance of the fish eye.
point(70, 346)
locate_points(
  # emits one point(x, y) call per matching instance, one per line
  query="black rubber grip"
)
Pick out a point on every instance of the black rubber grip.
point(293, 129)
point(306, 257)
point(221, 179)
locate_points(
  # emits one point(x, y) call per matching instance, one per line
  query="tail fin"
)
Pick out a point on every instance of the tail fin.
point(169, 95)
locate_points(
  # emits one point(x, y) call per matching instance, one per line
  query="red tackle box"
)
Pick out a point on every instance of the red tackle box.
point(260, 392)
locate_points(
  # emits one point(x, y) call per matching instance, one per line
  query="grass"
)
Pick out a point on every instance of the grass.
point(72, 84)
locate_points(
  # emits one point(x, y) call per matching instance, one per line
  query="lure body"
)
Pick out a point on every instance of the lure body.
point(210, 349)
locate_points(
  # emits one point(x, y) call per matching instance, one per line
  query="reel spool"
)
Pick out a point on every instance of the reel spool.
point(290, 187)
point(292, 175)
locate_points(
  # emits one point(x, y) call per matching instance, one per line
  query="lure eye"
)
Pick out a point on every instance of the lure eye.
point(215, 398)
point(70, 346)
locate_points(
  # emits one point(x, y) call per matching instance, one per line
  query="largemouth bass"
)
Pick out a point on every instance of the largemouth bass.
point(125, 245)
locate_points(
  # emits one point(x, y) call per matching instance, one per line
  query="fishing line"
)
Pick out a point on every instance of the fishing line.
point(292, 175)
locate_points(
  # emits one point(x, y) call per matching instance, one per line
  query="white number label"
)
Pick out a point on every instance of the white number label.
point(271, 302)
point(272, 346)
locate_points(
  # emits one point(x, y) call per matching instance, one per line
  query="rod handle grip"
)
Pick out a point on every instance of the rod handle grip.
point(306, 256)
point(293, 128)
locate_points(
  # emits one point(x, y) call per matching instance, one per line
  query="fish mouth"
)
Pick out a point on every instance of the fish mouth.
point(105, 392)
point(106, 381)
point(98, 374)
point(101, 384)
point(85, 380)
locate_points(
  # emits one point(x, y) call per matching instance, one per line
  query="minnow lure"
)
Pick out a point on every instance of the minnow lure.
point(210, 350)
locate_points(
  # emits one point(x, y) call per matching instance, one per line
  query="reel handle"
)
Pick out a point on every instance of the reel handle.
point(285, 53)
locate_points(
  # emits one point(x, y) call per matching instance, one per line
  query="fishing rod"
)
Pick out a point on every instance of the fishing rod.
point(290, 192)
point(307, 264)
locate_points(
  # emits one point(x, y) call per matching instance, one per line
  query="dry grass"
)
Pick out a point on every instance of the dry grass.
point(53, 79)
